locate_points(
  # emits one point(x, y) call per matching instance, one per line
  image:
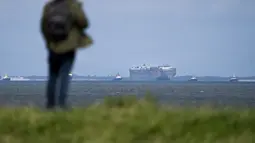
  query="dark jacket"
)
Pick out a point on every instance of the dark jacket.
point(76, 38)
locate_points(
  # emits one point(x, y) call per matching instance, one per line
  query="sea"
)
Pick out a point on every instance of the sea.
point(84, 93)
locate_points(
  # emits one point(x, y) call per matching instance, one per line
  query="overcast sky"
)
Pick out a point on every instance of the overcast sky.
point(198, 37)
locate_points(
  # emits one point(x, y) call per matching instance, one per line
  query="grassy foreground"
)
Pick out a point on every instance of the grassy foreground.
point(127, 120)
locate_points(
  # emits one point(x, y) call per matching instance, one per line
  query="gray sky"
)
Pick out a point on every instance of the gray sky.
point(198, 37)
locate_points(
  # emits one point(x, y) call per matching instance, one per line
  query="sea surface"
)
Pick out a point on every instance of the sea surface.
point(83, 93)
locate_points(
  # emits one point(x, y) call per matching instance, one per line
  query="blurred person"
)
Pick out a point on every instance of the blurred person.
point(62, 24)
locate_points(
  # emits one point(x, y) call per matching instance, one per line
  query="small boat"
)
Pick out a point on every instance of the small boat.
point(233, 79)
point(193, 78)
point(118, 77)
point(70, 76)
point(6, 78)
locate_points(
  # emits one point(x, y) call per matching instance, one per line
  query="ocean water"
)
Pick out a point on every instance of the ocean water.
point(83, 93)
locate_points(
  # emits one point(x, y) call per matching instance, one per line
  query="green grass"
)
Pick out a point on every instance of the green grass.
point(127, 120)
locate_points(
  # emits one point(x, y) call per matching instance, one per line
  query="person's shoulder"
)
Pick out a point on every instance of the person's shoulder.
point(76, 6)
point(47, 4)
point(76, 3)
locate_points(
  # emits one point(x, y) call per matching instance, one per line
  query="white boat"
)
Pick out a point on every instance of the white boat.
point(118, 77)
point(6, 78)
point(193, 78)
point(70, 76)
point(233, 79)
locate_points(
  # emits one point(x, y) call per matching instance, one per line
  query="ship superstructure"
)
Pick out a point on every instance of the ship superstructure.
point(145, 72)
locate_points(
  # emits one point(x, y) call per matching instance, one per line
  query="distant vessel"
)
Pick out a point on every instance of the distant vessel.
point(193, 78)
point(6, 78)
point(118, 77)
point(19, 78)
point(233, 79)
point(70, 76)
point(145, 72)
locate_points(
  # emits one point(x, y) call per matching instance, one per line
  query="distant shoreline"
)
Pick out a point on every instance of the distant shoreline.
point(177, 78)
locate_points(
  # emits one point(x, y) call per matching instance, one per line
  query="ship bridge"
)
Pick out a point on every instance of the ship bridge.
point(143, 67)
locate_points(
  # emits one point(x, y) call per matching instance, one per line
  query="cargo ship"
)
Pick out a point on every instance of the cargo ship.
point(145, 72)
